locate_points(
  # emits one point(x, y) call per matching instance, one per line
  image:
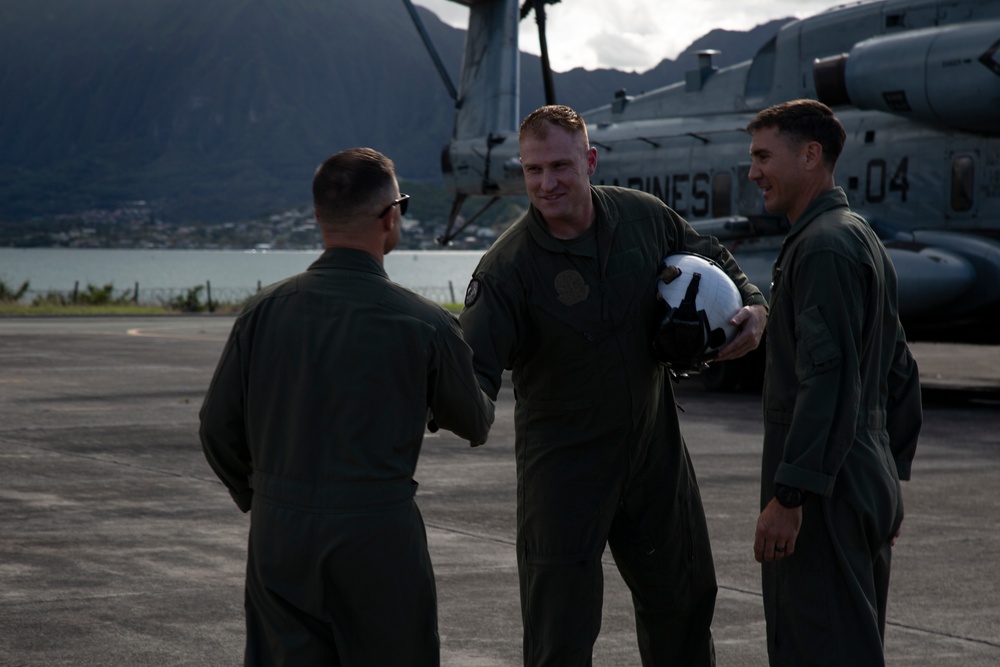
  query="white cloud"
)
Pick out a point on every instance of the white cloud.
point(634, 35)
point(615, 50)
point(451, 13)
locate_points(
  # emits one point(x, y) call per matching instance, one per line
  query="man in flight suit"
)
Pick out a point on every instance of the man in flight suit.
point(841, 404)
point(314, 421)
point(566, 298)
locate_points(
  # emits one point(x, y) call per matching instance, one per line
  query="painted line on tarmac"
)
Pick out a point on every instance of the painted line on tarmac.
point(469, 533)
point(146, 333)
point(733, 589)
point(941, 633)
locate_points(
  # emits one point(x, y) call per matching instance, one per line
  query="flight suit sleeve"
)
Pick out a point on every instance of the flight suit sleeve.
point(709, 246)
point(223, 424)
point(828, 308)
point(904, 410)
point(491, 324)
point(454, 396)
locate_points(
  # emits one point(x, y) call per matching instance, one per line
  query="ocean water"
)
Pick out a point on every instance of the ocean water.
point(441, 275)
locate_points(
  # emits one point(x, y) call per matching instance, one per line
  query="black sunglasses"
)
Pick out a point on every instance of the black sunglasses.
point(404, 203)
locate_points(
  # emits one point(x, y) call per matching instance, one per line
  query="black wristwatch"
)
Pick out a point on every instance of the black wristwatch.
point(789, 496)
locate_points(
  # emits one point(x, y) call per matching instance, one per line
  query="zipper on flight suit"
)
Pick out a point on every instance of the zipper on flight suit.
point(603, 257)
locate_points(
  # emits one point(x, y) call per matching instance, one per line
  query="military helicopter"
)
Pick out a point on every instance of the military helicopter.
point(916, 83)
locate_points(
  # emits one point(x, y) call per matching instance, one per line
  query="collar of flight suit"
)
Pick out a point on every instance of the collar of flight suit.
point(350, 259)
point(605, 221)
point(829, 200)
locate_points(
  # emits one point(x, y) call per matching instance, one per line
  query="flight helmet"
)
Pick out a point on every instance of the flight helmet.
point(699, 300)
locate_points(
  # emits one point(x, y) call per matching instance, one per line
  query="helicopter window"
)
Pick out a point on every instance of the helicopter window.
point(962, 180)
point(750, 201)
point(722, 184)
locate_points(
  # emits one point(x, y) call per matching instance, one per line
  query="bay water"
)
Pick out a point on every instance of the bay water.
point(441, 275)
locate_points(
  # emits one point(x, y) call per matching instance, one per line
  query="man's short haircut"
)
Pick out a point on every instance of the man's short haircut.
point(538, 122)
point(350, 183)
point(804, 121)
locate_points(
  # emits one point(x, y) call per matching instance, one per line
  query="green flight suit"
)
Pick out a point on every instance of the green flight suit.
point(314, 421)
point(600, 457)
point(842, 412)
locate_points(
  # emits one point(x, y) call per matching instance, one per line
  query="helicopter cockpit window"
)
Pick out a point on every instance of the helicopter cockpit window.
point(722, 186)
point(750, 202)
point(962, 181)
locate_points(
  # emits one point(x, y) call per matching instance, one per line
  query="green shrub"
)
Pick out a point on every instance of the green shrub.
point(8, 295)
point(102, 296)
point(49, 299)
point(190, 302)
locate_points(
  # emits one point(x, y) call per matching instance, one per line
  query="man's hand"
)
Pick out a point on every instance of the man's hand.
point(899, 531)
point(750, 320)
point(777, 529)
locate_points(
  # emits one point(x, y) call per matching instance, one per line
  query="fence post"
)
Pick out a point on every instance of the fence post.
point(208, 294)
point(451, 290)
point(135, 297)
point(76, 289)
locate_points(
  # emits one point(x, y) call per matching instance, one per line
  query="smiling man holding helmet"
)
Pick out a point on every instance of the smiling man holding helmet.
point(566, 299)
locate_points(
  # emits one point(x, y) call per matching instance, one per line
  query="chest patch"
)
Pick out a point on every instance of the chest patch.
point(571, 287)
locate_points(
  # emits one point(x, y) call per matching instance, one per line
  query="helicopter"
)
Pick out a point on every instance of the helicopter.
point(916, 84)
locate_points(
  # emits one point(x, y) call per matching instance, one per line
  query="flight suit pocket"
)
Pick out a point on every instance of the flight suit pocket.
point(816, 350)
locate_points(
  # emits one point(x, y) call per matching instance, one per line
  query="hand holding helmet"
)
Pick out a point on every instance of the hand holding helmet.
point(699, 300)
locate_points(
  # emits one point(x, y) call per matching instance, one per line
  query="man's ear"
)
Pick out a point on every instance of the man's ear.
point(389, 219)
point(813, 155)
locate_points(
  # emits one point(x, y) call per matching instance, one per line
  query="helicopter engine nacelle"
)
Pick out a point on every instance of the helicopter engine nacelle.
point(946, 75)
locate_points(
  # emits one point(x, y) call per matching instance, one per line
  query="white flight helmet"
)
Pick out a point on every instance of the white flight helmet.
point(700, 299)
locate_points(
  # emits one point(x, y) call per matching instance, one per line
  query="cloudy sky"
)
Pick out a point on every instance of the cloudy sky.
point(634, 35)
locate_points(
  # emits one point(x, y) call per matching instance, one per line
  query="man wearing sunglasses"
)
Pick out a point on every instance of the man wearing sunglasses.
point(314, 421)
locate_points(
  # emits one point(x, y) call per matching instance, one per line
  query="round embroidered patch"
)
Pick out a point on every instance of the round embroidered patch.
point(571, 288)
point(472, 293)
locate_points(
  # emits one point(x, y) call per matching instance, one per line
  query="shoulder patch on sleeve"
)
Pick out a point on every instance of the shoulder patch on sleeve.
point(472, 293)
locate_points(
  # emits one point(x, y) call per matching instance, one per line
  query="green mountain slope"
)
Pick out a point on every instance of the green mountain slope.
point(214, 110)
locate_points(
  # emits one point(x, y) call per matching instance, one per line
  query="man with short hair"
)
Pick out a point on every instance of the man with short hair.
point(566, 298)
point(842, 404)
point(314, 421)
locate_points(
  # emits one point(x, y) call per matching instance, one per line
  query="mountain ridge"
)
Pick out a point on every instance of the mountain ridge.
point(215, 110)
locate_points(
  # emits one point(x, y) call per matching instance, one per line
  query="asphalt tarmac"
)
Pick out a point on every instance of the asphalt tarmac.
point(118, 546)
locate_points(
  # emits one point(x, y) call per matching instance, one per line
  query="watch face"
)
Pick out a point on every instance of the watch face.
point(789, 496)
